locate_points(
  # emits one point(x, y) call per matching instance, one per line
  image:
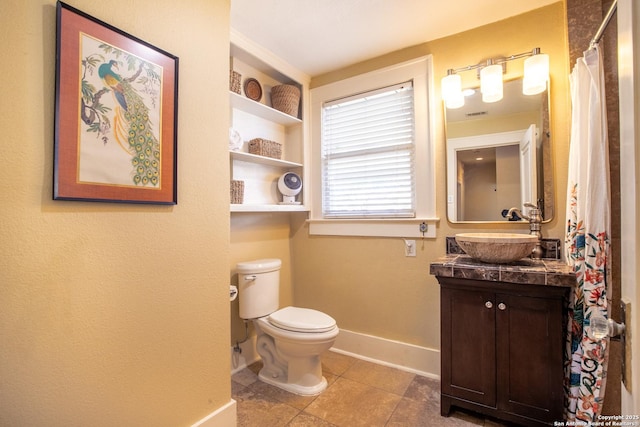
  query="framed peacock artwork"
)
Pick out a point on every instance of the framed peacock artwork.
point(115, 114)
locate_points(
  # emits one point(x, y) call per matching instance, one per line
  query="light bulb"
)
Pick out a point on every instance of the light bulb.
point(455, 102)
point(451, 86)
point(536, 74)
point(491, 83)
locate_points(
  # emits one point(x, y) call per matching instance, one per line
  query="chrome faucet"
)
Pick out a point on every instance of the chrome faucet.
point(535, 225)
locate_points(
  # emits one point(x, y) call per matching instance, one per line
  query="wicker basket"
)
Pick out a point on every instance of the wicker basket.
point(237, 192)
point(286, 98)
point(234, 81)
point(264, 147)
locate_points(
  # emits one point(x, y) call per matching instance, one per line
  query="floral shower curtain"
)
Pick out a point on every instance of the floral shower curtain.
point(587, 238)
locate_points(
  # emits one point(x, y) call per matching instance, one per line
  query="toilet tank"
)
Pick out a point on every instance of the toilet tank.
point(258, 287)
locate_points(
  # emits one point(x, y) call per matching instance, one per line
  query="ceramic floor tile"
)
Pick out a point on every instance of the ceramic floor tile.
point(331, 378)
point(353, 398)
point(389, 379)
point(245, 377)
point(424, 389)
point(291, 399)
point(236, 387)
point(421, 408)
point(307, 420)
point(348, 403)
point(256, 409)
point(336, 363)
point(414, 413)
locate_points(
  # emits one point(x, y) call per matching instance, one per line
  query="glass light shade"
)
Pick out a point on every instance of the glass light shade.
point(455, 102)
point(536, 74)
point(451, 87)
point(491, 83)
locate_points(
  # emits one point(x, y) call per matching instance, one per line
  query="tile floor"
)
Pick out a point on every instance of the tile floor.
point(360, 393)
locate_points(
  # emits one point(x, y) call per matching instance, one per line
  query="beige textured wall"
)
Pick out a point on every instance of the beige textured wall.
point(368, 284)
point(499, 124)
point(114, 314)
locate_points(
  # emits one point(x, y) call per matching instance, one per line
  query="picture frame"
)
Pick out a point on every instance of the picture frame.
point(116, 110)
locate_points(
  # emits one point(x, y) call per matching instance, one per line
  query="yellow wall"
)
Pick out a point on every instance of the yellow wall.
point(102, 324)
point(506, 123)
point(368, 284)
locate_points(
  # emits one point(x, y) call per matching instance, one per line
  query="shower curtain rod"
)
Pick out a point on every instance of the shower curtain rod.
point(604, 24)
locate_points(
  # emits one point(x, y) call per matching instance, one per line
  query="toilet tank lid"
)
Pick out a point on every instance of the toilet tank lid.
point(259, 266)
point(302, 320)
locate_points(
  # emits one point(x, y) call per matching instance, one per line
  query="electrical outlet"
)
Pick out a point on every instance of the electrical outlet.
point(409, 248)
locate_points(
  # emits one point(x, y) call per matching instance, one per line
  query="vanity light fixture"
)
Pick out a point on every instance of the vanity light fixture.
point(491, 82)
point(536, 73)
point(452, 90)
point(536, 76)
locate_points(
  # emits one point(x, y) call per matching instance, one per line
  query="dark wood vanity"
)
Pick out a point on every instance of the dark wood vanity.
point(502, 337)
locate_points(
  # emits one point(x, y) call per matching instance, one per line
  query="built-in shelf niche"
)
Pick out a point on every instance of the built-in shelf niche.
point(257, 119)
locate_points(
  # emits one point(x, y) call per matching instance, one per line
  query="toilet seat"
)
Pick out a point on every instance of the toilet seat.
point(296, 319)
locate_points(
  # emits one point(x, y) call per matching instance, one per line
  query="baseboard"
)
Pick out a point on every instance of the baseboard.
point(407, 357)
point(225, 416)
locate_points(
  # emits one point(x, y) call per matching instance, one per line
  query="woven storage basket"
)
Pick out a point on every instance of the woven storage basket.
point(264, 147)
point(234, 81)
point(237, 192)
point(286, 98)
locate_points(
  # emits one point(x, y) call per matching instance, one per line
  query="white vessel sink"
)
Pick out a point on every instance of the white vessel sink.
point(498, 248)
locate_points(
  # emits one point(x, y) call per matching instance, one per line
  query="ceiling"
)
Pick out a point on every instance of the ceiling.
point(318, 36)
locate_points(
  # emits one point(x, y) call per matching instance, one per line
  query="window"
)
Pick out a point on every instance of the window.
point(368, 154)
point(373, 171)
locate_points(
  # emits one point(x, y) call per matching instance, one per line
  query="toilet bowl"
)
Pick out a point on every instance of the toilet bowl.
point(291, 358)
point(289, 340)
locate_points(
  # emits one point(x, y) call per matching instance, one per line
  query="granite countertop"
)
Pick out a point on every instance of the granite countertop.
point(550, 272)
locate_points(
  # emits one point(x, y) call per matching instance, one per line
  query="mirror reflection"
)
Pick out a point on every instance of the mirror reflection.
point(498, 156)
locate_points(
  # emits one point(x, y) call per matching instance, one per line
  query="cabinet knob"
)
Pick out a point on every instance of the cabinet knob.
point(502, 306)
point(488, 304)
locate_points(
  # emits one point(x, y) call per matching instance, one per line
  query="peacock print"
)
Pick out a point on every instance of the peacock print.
point(124, 110)
point(132, 129)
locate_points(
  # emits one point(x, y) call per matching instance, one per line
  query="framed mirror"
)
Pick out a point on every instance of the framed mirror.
point(498, 156)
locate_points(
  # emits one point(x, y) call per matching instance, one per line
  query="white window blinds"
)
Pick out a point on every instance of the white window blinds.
point(368, 154)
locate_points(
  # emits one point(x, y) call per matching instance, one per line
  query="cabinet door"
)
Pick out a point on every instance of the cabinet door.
point(529, 356)
point(468, 345)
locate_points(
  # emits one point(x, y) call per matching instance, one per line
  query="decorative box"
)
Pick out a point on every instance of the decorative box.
point(237, 192)
point(264, 147)
point(234, 81)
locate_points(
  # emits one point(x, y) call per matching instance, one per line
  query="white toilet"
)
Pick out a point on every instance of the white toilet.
point(290, 340)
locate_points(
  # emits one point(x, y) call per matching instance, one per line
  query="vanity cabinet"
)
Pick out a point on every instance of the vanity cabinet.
point(256, 118)
point(502, 349)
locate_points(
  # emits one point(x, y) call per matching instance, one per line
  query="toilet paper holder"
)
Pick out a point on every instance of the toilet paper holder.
point(233, 292)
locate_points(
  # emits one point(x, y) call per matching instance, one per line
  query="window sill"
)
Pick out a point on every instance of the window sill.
point(409, 227)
